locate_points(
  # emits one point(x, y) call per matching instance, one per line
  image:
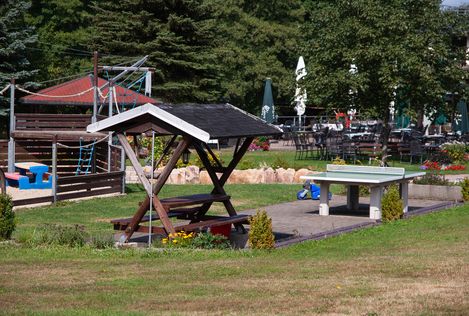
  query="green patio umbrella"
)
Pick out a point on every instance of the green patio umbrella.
point(268, 108)
point(441, 119)
point(461, 122)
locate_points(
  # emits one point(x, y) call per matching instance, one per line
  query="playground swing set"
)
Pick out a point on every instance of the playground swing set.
point(54, 151)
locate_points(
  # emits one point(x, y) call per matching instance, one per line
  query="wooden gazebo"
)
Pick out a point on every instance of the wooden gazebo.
point(193, 125)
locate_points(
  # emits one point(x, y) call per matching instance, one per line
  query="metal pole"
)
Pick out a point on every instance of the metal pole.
point(11, 143)
point(110, 133)
point(95, 88)
point(54, 169)
point(123, 168)
point(151, 180)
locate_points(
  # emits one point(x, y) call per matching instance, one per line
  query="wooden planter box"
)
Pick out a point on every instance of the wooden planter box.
point(435, 192)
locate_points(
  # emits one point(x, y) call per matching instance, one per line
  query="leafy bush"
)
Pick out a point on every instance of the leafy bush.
point(198, 161)
point(53, 234)
point(202, 240)
point(7, 217)
point(160, 143)
point(206, 240)
point(455, 151)
point(338, 161)
point(465, 189)
point(441, 157)
point(432, 179)
point(260, 143)
point(280, 162)
point(102, 241)
point(246, 163)
point(391, 205)
point(260, 234)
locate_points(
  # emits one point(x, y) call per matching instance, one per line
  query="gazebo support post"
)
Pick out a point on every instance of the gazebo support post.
point(163, 216)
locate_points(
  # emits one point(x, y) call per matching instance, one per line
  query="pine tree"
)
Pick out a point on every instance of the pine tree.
point(177, 36)
point(15, 39)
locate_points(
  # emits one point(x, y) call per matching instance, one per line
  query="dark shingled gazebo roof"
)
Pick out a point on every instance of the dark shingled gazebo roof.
point(203, 121)
point(221, 120)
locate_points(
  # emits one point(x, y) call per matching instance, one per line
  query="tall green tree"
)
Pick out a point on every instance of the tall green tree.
point(15, 37)
point(177, 36)
point(399, 45)
point(64, 35)
point(256, 40)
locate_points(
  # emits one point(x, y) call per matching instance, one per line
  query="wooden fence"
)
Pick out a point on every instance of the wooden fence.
point(50, 122)
point(67, 156)
point(106, 178)
point(73, 187)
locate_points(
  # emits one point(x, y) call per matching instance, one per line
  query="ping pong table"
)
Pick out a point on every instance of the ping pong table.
point(353, 176)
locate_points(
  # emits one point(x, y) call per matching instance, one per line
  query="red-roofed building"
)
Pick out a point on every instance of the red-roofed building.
point(69, 90)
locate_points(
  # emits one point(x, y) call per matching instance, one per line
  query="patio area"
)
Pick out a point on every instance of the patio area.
point(300, 220)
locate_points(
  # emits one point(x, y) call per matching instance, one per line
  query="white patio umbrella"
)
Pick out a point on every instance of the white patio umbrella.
point(300, 94)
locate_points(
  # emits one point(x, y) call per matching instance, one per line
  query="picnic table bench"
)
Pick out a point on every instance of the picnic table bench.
point(173, 207)
point(30, 175)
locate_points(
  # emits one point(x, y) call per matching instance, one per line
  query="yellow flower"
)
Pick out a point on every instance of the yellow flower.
point(175, 241)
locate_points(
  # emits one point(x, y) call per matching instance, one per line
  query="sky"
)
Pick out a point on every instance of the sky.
point(455, 2)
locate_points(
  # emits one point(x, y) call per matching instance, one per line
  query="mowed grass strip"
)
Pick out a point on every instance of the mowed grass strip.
point(418, 266)
point(96, 213)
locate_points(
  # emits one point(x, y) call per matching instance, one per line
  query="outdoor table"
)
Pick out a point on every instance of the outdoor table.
point(358, 134)
point(37, 170)
point(353, 176)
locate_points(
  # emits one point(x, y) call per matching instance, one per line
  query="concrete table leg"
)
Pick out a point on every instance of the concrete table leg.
point(404, 192)
point(352, 197)
point(324, 199)
point(375, 202)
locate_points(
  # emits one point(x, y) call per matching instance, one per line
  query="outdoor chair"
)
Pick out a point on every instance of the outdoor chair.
point(303, 149)
point(415, 150)
point(334, 146)
point(320, 144)
point(349, 150)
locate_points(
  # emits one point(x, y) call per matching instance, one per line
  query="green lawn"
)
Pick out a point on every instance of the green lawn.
point(95, 214)
point(413, 267)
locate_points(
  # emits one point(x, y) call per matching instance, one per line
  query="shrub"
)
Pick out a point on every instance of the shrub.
point(246, 164)
point(260, 234)
point(391, 204)
point(338, 161)
point(207, 240)
point(260, 143)
point(53, 234)
point(465, 189)
point(441, 157)
point(7, 217)
point(280, 162)
point(432, 179)
point(198, 161)
point(455, 151)
point(102, 241)
point(202, 240)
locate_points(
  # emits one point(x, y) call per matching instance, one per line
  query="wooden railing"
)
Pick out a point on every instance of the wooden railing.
point(29, 121)
point(74, 187)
